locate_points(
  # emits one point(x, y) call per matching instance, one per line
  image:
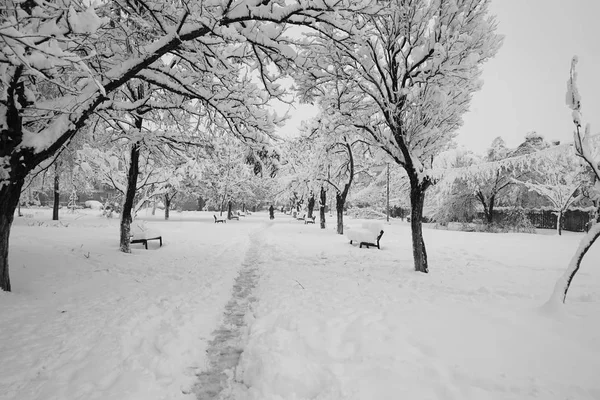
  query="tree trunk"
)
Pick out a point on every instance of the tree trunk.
point(56, 195)
point(311, 205)
point(9, 198)
point(229, 213)
point(132, 177)
point(488, 210)
point(322, 207)
point(564, 282)
point(154, 206)
point(559, 222)
point(417, 200)
point(339, 208)
point(490, 217)
point(167, 206)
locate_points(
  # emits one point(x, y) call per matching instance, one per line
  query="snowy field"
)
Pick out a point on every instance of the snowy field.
point(326, 320)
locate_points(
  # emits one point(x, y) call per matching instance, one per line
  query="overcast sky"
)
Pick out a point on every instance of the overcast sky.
point(525, 84)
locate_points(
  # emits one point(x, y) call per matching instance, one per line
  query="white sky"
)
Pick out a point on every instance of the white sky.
point(525, 84)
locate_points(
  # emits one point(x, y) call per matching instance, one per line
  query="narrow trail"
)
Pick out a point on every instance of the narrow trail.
point(224, 350)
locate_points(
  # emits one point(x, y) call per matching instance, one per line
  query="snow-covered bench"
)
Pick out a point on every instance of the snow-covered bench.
point(141, 234)
point(310, 220)
point(219, 219)
point(367, 235)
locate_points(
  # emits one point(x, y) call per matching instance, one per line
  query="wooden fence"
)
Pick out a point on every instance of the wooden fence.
point(573, 220)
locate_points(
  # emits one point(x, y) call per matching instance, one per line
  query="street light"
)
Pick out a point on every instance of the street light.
point(380, 169)
point(388, 193)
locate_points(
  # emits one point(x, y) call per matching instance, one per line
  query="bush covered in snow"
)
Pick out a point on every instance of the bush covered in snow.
point(516, 220)
point(93, 204)
point(365, 213)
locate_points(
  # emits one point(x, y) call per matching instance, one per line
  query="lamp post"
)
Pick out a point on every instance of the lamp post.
point(379, 169)
point(388, 193)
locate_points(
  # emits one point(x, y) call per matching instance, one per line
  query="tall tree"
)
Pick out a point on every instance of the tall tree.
point(559, 180)
point(488, 189)
point(413, 69)
point(455, 198)
point(224, 174)
point(332, 153)
point(311, 204)
point(322, 205)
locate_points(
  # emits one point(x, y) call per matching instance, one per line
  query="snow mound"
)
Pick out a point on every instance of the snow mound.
point(93, 204)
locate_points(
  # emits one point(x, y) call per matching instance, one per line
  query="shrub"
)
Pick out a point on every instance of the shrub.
point(516, 220)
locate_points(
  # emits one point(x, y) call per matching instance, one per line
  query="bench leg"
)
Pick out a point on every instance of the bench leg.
point(146, 244)
point(160, 240)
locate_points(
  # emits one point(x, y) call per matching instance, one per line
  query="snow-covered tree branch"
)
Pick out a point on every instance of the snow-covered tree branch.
point(590, 156)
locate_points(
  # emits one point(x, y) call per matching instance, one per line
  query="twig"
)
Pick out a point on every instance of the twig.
point(300, 284)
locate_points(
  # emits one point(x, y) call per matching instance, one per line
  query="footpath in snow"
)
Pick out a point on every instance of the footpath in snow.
point(271, 310)
point(86, 322)
point(333, 321)
point(224, 349)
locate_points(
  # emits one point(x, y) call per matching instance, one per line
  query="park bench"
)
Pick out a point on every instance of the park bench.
point(301, 217)
point(310, 220)
point(219, 219)
point(141, 234)
point(369, 234)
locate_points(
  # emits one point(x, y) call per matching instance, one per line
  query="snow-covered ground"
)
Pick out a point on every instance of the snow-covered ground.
point(327, 320)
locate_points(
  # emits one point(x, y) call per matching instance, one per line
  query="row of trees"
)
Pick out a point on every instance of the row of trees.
point(535, 174)
point(135, 70)
point(217, 171)
point(399, 84)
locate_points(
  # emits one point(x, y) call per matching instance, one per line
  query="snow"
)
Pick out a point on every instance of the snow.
point(86, 21)
point(139, 230)
point(367, 326)
point(93, 204)
point(367, 232)
point(326, 320)
point(85, 321)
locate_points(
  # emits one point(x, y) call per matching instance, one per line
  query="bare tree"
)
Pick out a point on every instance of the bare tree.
point(413, 67)
point(583, 149)
point(559, 180)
